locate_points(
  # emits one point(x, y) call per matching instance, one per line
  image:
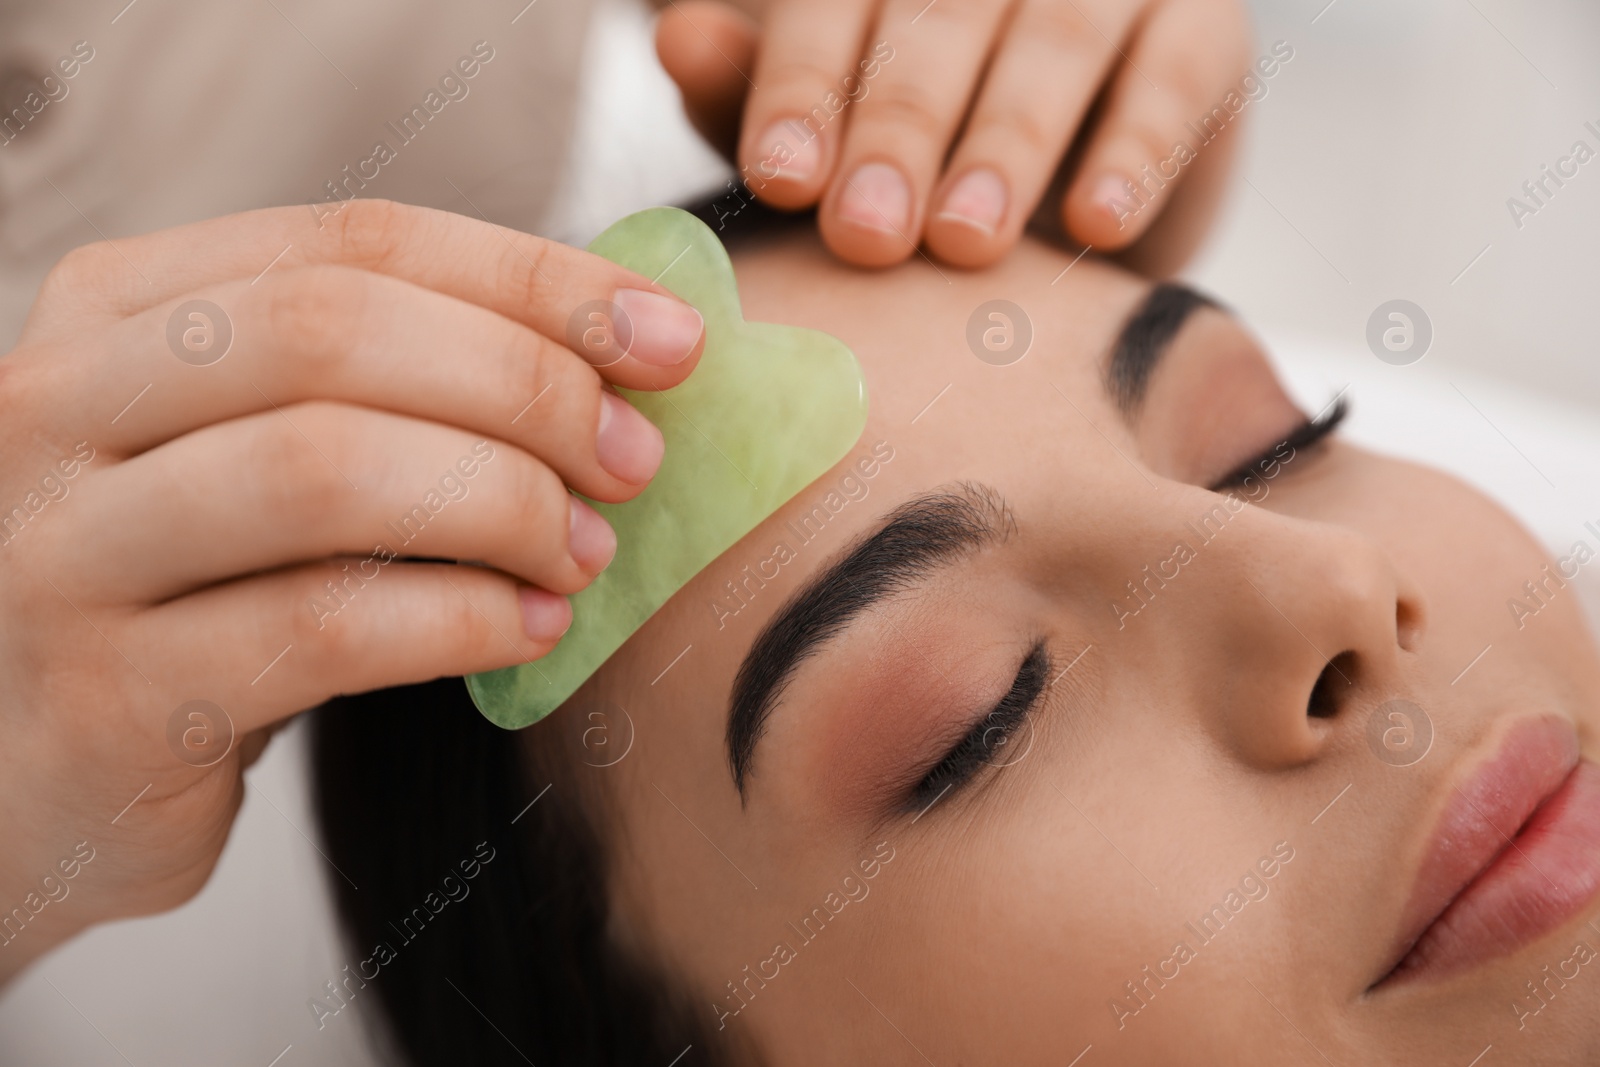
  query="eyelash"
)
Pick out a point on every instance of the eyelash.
point(974, 750)
point(1310, 432)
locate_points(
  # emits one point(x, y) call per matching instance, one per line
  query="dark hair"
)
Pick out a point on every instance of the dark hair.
point(738, 218)
point(413, 789)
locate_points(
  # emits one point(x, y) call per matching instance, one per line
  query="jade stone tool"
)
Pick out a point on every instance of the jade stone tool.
point(768, 411)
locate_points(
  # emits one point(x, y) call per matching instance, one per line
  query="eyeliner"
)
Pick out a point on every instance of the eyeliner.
point(1310, 432)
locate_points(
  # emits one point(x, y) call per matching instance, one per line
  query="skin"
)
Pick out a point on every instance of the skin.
point(963, 112)
point(209, 506)
point(212, 504)
point(1166, 764)
point(177, 520)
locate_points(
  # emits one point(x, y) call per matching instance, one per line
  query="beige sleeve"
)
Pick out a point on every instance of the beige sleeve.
point(183, 110)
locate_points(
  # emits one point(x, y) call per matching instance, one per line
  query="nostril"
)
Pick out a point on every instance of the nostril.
point(1332, 687)
point(1409, 624)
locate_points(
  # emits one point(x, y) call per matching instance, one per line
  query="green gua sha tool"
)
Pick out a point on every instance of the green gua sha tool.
point(768, 410)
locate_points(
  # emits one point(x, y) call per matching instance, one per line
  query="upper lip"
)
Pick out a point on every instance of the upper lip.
point(1486, 808)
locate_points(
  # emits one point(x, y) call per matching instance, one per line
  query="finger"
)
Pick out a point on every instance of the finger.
point(337, 333)
point(1179, 94)
point(1039, 86)
point(321, 479)
point(901, 130)
point(795, 114)
point(267, 646)
point(539, 283)
point(709, 49)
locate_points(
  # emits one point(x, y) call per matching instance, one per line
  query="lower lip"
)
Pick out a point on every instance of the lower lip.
point(1542, 879)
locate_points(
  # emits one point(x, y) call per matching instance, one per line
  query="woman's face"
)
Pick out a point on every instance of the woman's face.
point(1063, 753)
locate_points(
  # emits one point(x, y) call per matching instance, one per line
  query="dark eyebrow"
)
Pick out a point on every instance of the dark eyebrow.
point(1144, 338)
point(917, 537)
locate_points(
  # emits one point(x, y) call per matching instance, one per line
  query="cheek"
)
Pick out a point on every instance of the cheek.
point(1042, 905)
point(1466, 551)
point(1472, 562)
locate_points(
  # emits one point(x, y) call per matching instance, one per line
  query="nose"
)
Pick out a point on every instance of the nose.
point(1301, 625)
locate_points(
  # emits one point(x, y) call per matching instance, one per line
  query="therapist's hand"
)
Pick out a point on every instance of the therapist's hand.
point(942, 123)
point(219, 445)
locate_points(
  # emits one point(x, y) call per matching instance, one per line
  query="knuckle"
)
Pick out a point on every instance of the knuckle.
point(465, 628)
point(319, 624)
point(565, 385)
point(799, 78)
point(907, 106)
point(316, 312)
point(18, 397)
point(296, 476)
point(538, 500)
point(531, 369)
point(87, 268)
point(955, 12)
point(1200, 77)
point(371, 232)
point(524, 270)
point(1148, 139)
point(1194, 84)
point(1016, 123)
point(539, 496)
point(1065, 28)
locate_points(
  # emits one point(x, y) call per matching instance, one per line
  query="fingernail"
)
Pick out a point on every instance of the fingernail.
point(877, 197)
point(1111, 195)
point(628, 446)
point(590, 539)
point(661, 331)
point(545, 616)
point(795, 151)
point(977, 200)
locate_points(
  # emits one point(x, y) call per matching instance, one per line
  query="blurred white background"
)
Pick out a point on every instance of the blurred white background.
point(1381, 165)
point(1378, 168)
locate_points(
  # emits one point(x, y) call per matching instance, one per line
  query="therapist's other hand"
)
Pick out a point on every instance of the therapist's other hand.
point(943, 123)
point(224, 448)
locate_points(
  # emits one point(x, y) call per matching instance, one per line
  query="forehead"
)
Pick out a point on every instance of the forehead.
point(991, 337)
point(946, 404)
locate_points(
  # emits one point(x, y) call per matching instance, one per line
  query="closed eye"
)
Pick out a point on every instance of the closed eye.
point(989, 734)
point(1308, 434)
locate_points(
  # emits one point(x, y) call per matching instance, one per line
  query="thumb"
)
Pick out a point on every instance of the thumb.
point(708, 48)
